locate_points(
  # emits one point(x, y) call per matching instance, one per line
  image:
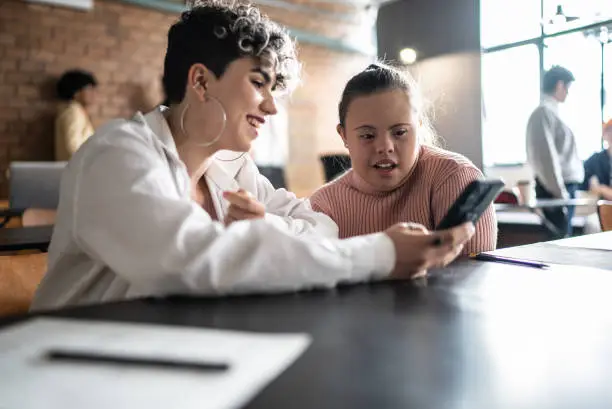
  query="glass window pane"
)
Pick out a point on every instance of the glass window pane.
point(511, 90)
point(577, 13)
point(608, 82)
point(503, 22)
point(582, 110)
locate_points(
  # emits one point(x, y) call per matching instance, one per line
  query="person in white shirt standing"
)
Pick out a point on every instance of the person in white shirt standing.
point(552, 152)
point(152, 206)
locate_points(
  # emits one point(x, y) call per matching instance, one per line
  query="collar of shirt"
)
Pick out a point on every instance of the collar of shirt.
point(550, 102)
point(222, 174)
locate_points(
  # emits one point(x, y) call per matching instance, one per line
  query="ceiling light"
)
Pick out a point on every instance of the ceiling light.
point(408, 56)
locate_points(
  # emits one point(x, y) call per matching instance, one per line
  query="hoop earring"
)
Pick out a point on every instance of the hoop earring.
point(223, 113)
point(232, 160)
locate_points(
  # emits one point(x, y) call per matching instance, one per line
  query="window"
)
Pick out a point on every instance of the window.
point(523, 38)
point(582, 110)
point(577, 13)
point(503, 21)
point(607, 115)
point(511, 89)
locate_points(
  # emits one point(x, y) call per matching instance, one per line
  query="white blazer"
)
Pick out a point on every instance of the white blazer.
point(127, 227)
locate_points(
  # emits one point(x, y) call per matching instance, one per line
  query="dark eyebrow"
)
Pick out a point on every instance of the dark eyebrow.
point(365, 127)
point(263, 73)
point(401, 124)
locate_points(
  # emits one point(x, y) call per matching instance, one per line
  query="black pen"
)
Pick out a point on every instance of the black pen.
point(502, 259)
point(123, 360)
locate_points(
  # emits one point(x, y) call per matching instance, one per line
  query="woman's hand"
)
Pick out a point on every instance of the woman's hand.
point(243, 206)
point(417, 249)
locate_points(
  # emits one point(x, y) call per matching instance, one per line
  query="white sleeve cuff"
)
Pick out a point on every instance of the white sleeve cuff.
point(372, 256)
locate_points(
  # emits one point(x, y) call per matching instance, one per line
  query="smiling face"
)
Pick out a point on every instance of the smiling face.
point(244, 94)
point(380, 133)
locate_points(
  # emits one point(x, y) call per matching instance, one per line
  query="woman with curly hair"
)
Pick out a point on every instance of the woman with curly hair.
point(156, 205)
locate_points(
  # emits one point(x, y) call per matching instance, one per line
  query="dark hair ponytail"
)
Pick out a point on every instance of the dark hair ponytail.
point(379, 77)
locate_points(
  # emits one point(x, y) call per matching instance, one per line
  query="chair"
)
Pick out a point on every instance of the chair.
point(507, 197)
point(275, 174)
point(604, 210)
point(19, 278)
point(334, 165)
point(34, 184)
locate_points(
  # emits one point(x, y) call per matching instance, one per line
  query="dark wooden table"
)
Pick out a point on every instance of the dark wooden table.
point(25, 238)
point(521, 227)
point(6, 214)
point(478, 335)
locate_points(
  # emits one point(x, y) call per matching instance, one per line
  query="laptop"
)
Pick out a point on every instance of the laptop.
point(35, 184)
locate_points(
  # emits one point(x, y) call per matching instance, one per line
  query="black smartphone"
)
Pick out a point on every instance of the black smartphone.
point(472, 203)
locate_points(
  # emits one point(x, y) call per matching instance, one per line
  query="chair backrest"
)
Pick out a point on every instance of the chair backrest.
point(35, 184)
point(334, 165)
point(275, 174)
point(19, 277)
point(605, 216)
point(507, 197)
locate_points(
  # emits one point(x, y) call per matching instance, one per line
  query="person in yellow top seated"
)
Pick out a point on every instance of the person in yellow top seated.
point(77, 91)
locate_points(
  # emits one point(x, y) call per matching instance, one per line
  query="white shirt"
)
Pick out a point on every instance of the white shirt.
point(552, 153)
point(127, 227)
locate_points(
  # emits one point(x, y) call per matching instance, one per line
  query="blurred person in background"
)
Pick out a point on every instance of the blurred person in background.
point(552, 152)
point(597, 169)
point(76, 90)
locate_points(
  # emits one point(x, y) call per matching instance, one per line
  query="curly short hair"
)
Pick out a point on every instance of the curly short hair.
point(217, 32)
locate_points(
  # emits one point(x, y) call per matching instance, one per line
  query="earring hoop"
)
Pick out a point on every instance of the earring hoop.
point(223, 114)
point(232, 160)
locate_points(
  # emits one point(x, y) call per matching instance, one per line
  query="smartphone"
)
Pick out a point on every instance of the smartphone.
point(472, 203)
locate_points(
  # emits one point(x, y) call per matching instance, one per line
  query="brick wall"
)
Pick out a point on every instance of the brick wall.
point(124, 46)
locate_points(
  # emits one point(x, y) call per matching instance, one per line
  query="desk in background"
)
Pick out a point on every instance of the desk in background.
point(521, 227)
point(25, 238)
point(521, 224)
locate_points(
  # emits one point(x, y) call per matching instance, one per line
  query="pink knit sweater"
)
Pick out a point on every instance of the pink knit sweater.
point(437, 180)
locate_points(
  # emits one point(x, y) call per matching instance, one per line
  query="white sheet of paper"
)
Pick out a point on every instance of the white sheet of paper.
point(598, 241)
point(28, 381)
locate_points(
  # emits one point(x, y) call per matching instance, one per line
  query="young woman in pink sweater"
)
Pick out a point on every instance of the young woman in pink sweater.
point(397, 174)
